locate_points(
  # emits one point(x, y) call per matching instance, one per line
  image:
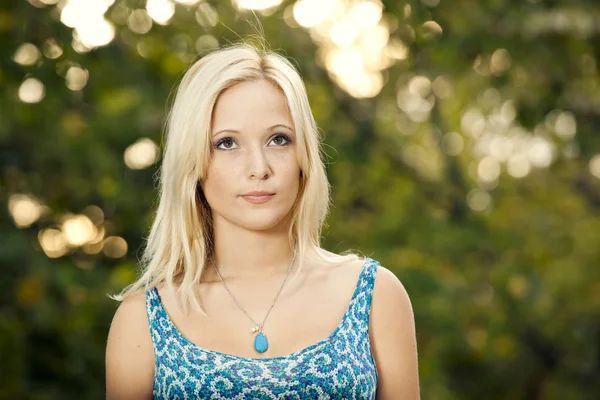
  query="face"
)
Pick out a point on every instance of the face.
point(253, 149)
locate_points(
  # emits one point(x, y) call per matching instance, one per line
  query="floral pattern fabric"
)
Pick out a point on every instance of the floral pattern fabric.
point(340, 366)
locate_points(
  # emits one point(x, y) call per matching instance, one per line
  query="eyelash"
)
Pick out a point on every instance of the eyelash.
point(286, 137)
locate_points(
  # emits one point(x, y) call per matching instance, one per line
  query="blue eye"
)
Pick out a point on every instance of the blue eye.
point(282, 140)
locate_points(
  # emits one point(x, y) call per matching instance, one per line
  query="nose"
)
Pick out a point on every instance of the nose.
point(258, 164)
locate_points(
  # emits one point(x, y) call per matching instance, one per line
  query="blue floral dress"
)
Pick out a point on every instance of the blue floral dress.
point(340, 366)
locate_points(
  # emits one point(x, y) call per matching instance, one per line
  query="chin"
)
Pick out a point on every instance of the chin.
point(261, 224)
point(260, 221)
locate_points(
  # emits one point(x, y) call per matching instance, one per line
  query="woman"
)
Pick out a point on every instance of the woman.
point(243, 196)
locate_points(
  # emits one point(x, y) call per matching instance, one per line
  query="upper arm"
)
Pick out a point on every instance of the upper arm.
point(129, 353)
point(393, 339)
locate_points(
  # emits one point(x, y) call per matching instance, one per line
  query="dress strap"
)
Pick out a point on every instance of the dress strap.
point(360, 306)
point(369, 273)
point(367, 283)
point(157, 317)
point(152, 304)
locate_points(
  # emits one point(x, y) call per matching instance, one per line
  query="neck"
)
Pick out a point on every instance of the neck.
point(240, 252)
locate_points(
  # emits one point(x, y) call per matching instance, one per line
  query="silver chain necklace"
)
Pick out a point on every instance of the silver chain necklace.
point(261, 343)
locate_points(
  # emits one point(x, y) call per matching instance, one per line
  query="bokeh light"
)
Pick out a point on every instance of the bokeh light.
point(31, 91)
point(565, 125)
point(27, 54)
point(78, 229)
point(354, 42)
point(53, 242)
point(206, 42)
point(595, 166)
point(500, 61)
point(95, 214)
point(206, 15)
point(139, 21)
point(96, 244)
point(309, 13)
point(187, 2)
point(161, 11)
point(141, 154)
point(367, 13)
point(87, 18)
point(452, 143)
point(25, 209)
point(76, 78)
point(51, 49)
point(488, 169)
point(115, 247)
point(257, 4)
point(479, 200)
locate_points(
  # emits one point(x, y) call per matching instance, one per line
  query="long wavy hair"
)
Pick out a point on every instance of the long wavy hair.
point(181, 237)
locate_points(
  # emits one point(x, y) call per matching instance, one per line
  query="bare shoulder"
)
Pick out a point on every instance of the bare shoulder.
point(129, 353)
point(390, 293)
point(340, 275)
point(393, 338)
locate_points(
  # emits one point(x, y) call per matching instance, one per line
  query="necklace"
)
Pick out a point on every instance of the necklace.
point(261, 344)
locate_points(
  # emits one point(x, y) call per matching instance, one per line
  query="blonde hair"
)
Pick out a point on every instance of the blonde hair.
point(181, 239)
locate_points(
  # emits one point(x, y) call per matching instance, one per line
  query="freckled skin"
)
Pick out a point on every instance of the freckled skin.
point(253, 158)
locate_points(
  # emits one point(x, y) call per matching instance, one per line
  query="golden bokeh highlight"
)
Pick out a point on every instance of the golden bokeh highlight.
point(95, 214)
point(25, 209)
point(53, 242)
point(76, 78)
point(115, 247)
point(139, 21)
point(496, 134)
point(78, 229)
point(479, 200)
point(187, 2)
point(353, 39)
point(161, 11)
point(488, 169)
point(27, 54)
point(500, 61)
point(206, 42)
point(87, 19)
point(141, 154)
point(256, 4)
point(31, 91)
point(452, 143)
point(51, 49)
point(95, 245)
point(206, 15)
point(595, 166)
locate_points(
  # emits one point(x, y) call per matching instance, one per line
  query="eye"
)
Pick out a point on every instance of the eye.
point(282, 140)
point(227, 142)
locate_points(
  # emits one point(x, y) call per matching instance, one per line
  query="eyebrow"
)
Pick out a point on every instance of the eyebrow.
point(271, 127)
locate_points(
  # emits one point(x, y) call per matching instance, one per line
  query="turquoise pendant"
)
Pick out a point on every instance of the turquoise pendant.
point(260, 343)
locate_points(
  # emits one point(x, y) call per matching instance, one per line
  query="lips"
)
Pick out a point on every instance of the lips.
point(258, 197)
point(258, 193)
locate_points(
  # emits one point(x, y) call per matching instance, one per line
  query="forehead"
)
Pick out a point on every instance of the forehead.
point(259, 103)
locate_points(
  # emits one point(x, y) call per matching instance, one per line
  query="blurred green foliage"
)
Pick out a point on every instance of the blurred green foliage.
point(503, 272)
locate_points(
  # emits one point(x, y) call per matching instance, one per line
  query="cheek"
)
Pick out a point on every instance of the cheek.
point(287, 164)
point(217, 182)
point(291, 180)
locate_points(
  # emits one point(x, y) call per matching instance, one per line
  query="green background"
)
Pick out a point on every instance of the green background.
point(503, 275)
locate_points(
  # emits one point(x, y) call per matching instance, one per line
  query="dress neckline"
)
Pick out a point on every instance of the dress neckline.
point(181, 337)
